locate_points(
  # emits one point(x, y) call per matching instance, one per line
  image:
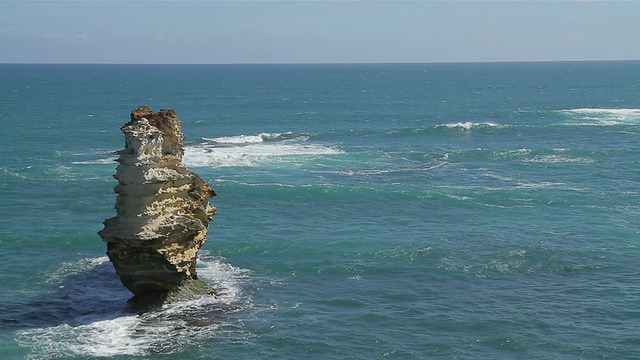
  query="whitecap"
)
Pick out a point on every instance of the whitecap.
point(243, 139)
point(239, 150)
point(93, 157)
point(458, 197)
point(469, 125)
point(508, 153)
point(253, 150)
point(603, 116)
point(103, 161)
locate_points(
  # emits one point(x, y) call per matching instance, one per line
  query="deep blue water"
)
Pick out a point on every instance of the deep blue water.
point(401, 211)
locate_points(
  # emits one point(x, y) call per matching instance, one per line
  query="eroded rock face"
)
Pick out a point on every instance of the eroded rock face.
point(163, 211)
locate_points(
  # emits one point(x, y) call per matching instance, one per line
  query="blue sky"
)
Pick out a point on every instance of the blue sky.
point(316, 31)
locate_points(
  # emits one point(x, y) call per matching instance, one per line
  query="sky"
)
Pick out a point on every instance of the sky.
point(238, 32)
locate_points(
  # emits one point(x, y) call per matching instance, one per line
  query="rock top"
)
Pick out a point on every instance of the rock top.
point(163, 212)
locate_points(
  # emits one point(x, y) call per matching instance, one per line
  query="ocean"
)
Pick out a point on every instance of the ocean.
point(392, 211)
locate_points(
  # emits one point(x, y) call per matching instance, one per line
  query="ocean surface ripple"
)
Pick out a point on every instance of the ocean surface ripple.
point(401, 211)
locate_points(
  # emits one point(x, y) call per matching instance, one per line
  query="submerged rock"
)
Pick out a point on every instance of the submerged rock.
point(163, 212)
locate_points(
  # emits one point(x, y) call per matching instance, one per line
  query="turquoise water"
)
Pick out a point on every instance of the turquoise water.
point(415, 211)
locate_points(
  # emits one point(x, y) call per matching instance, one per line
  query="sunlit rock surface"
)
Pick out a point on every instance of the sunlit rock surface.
point(163, 212)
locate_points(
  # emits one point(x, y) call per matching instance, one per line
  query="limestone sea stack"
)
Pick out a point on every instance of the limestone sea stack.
point(163, 212)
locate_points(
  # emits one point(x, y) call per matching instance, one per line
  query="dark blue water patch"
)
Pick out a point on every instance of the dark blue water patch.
point(86, 295)
point(82, 309)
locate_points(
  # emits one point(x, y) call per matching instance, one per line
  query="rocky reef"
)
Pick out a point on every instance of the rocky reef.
point(163, 212)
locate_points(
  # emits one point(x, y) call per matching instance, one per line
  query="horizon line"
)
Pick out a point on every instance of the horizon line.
point(320, 63)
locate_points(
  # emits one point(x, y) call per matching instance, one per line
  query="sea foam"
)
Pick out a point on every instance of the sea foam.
point(469, 125)
point(240, 150)
point(253, 150)
point(121, 333)
point(602, 116)
point(249, 139)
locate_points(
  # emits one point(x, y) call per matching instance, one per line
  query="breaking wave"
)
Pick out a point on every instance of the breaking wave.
point(239, 150)
point(253, 150)
point(253, 139)
point(602, 116)
point(116, 331)
point(470, 125)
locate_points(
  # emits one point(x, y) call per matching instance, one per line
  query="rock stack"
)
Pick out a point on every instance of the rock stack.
point(163, 212)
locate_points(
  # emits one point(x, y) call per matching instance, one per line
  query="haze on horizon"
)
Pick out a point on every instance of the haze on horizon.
point(239, 32)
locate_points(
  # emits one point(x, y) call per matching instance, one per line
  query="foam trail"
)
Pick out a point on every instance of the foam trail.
point(603, 116)
point(558, 159)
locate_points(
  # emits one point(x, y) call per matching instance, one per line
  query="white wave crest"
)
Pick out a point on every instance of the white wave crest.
point(226, 278)
point(252, 150)
point(103, 161)
point(603, 116)
point(469, 125)
point(248, 139)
